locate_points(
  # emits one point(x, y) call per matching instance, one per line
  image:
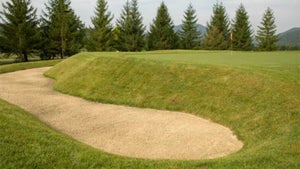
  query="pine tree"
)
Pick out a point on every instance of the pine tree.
point(63, 28)
point(100, 36)
point(123, 25)
point(219, 21)
point(19, 32)
point(241, 30)
point(162, 35)
point(189, 35)
point(214, 40)
point(266, 35)
point(131, 35)
point(138, 29)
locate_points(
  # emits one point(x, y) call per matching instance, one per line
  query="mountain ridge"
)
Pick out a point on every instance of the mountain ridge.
point(290, 38)
point(200, 28)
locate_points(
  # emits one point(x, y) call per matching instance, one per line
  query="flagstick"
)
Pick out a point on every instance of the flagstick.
point(231, 37)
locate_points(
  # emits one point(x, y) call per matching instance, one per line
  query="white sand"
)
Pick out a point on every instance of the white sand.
point(127, 131)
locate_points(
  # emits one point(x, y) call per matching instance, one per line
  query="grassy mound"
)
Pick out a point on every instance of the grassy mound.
point(259, 101)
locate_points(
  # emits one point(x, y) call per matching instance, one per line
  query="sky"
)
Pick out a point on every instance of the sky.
point(286, 11)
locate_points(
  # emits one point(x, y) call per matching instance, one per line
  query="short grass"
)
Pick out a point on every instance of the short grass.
point(258, 101)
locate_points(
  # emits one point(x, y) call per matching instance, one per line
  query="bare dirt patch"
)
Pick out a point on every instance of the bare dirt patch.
point(127, 131)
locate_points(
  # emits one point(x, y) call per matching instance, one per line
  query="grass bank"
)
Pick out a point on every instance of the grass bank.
point(255, 94)
point(259, 102)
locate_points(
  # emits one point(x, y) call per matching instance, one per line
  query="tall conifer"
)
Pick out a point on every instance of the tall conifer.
point(162, 35)
point(18, 29)
point(138, 29)
point(63, 28)
point(189, 35)
point(131, 28)
point(241, 30)
point(100, 36)
point(123, 27)
point(219, 23)
point(266, 35)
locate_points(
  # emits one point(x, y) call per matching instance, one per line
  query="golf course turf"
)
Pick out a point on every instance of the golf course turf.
point(255, 94)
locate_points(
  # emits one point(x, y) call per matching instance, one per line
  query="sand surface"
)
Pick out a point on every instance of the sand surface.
point(122, 130)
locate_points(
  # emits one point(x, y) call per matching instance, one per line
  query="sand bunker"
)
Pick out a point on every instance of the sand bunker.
point(127, 131)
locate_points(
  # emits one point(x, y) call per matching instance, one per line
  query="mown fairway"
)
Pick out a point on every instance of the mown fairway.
point(257, 95)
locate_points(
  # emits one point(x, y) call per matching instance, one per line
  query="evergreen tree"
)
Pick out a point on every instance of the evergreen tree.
point(219, 20)
point(162, 35)
point(138, 29)
point(123, 25)
point(18, 29)
point(63, 28)
point(214, 40)
point(131, 28)
point(189, 35)
point(241, 30)
point(100, 36)
point(266, 35)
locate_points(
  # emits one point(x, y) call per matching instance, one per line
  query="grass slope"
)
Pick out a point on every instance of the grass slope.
point(271, 135)
point(255, 94)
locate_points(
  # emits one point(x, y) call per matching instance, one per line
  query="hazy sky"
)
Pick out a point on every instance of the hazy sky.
point(287, 12)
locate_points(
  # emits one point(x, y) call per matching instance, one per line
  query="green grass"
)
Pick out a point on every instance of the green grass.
point(259, 102)
point(234, 58)
point(22, 66)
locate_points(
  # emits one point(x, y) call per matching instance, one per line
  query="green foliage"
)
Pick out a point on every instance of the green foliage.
point(100, 37)
point(214, 40)
point(266, 35)
point(62, 29)
point(130, 24)
point(189, 35)
point(219, 24)
point(138, 29)
point(123, 28)
point(18, 29)
point(162, 35)
point(241, 30)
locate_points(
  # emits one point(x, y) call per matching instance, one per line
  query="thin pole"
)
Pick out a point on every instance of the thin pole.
point(231, 37)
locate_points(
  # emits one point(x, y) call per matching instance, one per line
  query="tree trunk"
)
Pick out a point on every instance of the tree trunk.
point(25, 57)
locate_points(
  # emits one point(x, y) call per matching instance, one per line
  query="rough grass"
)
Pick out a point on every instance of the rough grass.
point(260, 103)
point(10, 67)
point(255, 94)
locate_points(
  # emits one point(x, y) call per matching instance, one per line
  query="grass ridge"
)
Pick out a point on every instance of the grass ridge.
point(247, 98)
point(260, 103)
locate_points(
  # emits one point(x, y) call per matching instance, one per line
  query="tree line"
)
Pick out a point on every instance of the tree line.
point(60, 32)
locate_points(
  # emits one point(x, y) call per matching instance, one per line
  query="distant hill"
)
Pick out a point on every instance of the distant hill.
point(290, 38)
point(200, 28)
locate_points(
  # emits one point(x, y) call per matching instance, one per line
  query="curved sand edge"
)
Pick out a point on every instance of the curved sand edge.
point(127, 131)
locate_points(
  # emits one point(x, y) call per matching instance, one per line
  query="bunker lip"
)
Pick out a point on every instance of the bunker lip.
point(121, 130)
